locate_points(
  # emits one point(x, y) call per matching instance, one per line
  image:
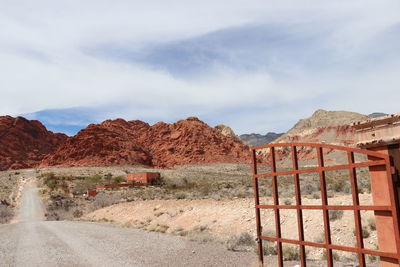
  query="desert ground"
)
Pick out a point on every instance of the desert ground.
point(31, 241)
point(205, 205)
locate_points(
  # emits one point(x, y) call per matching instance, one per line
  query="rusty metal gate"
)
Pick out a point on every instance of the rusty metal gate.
point(376, 162)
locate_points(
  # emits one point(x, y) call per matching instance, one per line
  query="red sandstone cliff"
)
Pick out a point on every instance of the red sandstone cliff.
point(24, 143)
point(192, 141)
point(108, 143)
point(120, 142)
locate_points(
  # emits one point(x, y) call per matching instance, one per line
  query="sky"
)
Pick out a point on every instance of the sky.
point(256, 66)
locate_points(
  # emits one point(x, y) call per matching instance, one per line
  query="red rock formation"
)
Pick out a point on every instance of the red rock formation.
point(108, 143)
point(191, 141)
point(24, 143)
point(120, 142)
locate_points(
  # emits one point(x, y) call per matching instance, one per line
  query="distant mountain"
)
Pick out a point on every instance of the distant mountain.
point(323, 126)
point(323, 118)
point(259, 139)
point(377, 114)
point(331, 127)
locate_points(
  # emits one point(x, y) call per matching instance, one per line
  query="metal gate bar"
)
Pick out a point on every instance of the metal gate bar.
point(375, 159)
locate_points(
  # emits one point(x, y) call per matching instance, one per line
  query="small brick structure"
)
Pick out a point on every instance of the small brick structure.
point(91, 193)
point(144, 178)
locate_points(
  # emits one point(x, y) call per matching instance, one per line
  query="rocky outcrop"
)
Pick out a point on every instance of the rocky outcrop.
point(191, 141)
point(226, 130)
point(120, 142)
point(24, 143)
point(108, 143)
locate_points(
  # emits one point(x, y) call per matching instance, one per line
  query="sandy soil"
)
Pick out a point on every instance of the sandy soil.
point(231, 217)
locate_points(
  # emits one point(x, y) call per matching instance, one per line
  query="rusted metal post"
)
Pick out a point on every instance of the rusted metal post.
point(383, 135)
point(298, 204)
point(257, 203)
point(278, 232)
point(324, 197)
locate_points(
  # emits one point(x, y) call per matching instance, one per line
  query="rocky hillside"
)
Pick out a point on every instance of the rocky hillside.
point(24, 143)
point(120, 142)
point(322, 118)
point(331, 127)
point(259, 139)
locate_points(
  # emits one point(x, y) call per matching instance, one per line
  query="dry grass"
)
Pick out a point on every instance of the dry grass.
point(235, 243)
point(9, 185)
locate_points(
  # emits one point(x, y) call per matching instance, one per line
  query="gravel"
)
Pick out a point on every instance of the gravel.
point(34, 242)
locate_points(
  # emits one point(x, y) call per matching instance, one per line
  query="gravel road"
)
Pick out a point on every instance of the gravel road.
point(31, 241)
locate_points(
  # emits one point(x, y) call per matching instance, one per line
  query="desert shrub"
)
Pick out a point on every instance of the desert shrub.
point(159, 213)
point(364, 232)
point(290, 253)
point(241, 194)
point(200, 234)
point(335, 255)
point(316, 196)
point(47, 175)
point(102, 200)
point(266, 192)
point(50, 180)
point(244, 239)
point(93, 179)
point(372, 223)
point(339, 184)
point(183, 184)
point(335, 214)
point(179, 231)
point(364, 182)
point(180, 195)
point(161, 228)
point(119, 179)
point(158, 181)
point(42, 192)
point(77, 213)
point(309, 188)
point(269, 248)
point(62, 184)
point(6, 213)
point(288, 201)
point(372, 258)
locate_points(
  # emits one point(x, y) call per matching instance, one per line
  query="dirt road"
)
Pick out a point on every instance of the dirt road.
point(34, 242)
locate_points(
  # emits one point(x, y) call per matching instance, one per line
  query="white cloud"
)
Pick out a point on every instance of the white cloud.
point(43, 66)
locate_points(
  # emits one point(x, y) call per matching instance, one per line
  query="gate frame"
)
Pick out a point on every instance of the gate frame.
point(375, 159)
